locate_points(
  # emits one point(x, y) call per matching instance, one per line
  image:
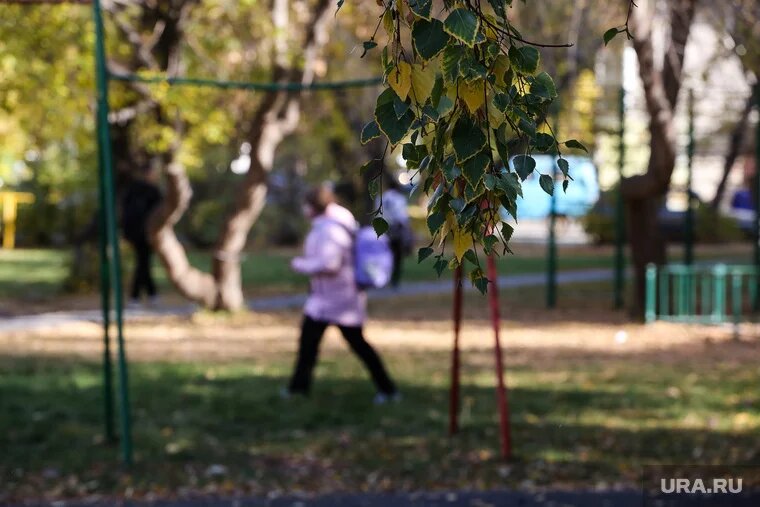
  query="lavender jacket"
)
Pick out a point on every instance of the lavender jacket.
point(328, 261)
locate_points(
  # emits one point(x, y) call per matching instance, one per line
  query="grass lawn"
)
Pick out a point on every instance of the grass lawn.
point(33, 279)
point(587, 409)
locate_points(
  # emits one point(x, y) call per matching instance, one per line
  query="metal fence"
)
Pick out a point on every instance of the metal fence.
point(701, 294)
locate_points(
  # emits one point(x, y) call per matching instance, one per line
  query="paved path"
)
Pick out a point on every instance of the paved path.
point(55, 319)
point(628, 498)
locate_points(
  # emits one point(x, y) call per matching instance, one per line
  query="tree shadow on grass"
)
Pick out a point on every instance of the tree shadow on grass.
point(187, 417)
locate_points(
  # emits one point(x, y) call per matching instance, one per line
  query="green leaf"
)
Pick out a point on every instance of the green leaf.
point(467, 138)
point(452, 58)
point(544, 142)
point(479, 280)
point(366, 167)
point(413, 154)
point(400, 107)
point(394, 127)
point(499, 8)
point(435, 95)
point(424, 253)
point(435, 221)
point(429, 38)
point(475, 167)
point(439, 266)
point(544, 87)
point(463, 24)
point(445, 105)
point(370, 132)
point(373, 187)
point(564, 166)
point(502, 102)
point(524, 165)
point(572, 143)
point(470, 256)
point(488, 243)
point(524, 59)
point(610, 34)
point(547, 184)
point(421, 7)
point(564, 185)
point(501, 143)
point(450, 170)
point(368, 44)
point(507, 231)
point(489, 180)
point(380, 226)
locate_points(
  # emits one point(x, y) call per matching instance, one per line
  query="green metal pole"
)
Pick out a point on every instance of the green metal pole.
point(105, 304)
point(756, 302)
point(651, 294)
point(106, 174)
point(689, 239)
point(551, 254)
point(619, 218)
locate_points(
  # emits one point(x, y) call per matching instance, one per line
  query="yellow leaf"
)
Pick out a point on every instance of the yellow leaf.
point(500, 67)
point(423, 80)
point(473, 94)
point(400, 79)
point(462, 242)
point(447, 226)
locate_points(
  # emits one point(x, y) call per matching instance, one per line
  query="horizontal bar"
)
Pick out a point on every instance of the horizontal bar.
point(44, 2)
point(242, 85)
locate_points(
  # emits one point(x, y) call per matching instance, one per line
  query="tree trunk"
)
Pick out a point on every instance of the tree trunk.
point(734, 146)
point(644, 194)
point(277, 117)
point(192, 283)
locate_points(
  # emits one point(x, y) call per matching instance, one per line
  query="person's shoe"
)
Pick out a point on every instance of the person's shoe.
point(286, 393)
point(385, 398)
point(153, 302)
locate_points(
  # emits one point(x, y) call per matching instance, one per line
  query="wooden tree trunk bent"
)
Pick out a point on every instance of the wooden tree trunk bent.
point(277, 117)
point(644, 193)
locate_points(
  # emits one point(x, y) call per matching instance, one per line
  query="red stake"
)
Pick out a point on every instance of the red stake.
point(501, 389)
point(457, 317)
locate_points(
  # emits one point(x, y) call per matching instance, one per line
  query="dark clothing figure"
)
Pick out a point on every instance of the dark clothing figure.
point(399, 249)
point(308, 350)
point(139, 201)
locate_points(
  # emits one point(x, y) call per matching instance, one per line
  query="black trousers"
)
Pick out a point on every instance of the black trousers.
point(142, 280)
point(397, 248)
point(308, 350)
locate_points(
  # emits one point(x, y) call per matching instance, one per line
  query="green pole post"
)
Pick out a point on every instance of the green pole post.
point(551, 254)
point(736, 301)
point(651, 294)
point(619, 218)
point(105, 304)
point(756, 302)
point(688, 257)
point(719, 298)
point(106, 174)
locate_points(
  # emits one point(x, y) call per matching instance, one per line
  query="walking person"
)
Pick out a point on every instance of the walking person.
point(395, 212)
point(335, 298)
point(140, 199)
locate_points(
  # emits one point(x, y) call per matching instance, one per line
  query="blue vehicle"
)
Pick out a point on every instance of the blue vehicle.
point(582, 192)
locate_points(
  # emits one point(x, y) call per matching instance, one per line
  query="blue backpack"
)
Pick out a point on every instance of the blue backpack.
point(372, 256)
point(373, 259)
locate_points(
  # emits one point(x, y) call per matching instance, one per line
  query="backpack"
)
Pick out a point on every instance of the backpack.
point(373, 259)
point(372, 256)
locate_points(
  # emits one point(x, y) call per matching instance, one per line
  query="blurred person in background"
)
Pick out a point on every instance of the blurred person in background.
point(334, 298)
point(394, 209)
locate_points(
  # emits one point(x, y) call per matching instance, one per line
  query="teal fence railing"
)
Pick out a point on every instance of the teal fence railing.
point(701, 294)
